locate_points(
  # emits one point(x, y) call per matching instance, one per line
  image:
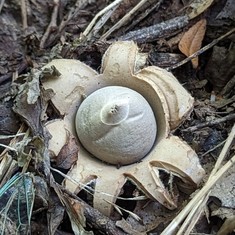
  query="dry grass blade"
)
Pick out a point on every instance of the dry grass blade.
point(101, 22)
point(14, 141)
point(7, 137)
point(17, 200)
point(214, 177)
point(223, 153)
point(120, 209)
point(102, 12)
point(193, 217)
point(91, 190)
point(52, 25)
point(8, 166)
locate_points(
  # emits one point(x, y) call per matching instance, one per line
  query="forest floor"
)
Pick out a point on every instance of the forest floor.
point(194, 40)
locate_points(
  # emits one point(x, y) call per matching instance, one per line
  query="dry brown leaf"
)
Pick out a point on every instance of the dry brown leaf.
point(192, 40)
point(68, 154)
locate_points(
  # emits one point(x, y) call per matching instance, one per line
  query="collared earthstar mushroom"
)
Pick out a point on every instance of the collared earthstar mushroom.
point(123, 120)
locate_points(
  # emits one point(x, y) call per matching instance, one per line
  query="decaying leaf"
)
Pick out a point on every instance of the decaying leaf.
point(29, 107)
point(75, 212)
point(68, 154)
point(192, 40)
point(33, 89)
point(55, 214)
point(228, 226)
point(30, 100)
point(125, 226)
point(221, 67)
point(152, 213)
point(228, 11)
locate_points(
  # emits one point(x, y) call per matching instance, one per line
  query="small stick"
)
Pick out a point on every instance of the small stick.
point(93, 216)
point(156, 31)
point(103, 11)
point(144, 14)
point(24, 64)
point(93, 32)
point(72, 12)
point(24, 14)
point(223, 153)
point(202, 50)
point(123, 20)
point(210, 150)
point(211, 123)
point(1, 4)
point(53, 25)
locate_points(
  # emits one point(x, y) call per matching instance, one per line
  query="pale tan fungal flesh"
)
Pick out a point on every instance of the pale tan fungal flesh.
point(170, 103)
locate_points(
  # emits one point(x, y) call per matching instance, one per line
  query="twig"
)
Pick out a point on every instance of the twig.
point(93, 216)
point(123, 20)
point(214, 177)
point(210, 150)
point(154, 32)
point(224, 152)
point(103, 11)
point(144, 14)
point(25, 64)
point(51, 27)
point(228, 87)
point(100, 23)
point(202, 50)
point(72, 12)
point(1, 5)
point(24, 14)
point(211, 123)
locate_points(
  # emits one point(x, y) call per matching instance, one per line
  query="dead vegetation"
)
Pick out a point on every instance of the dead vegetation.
point(192, 39)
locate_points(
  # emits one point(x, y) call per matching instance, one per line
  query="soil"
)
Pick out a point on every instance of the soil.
point(34, 32)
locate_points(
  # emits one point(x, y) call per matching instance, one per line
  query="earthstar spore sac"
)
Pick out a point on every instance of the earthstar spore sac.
point(117, 125)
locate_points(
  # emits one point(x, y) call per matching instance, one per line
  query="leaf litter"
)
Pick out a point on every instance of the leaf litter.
point(192, 40)
point(30, 106)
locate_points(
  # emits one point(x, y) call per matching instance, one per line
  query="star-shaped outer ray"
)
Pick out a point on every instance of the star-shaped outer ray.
point(171, 154)
point(171, 104)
